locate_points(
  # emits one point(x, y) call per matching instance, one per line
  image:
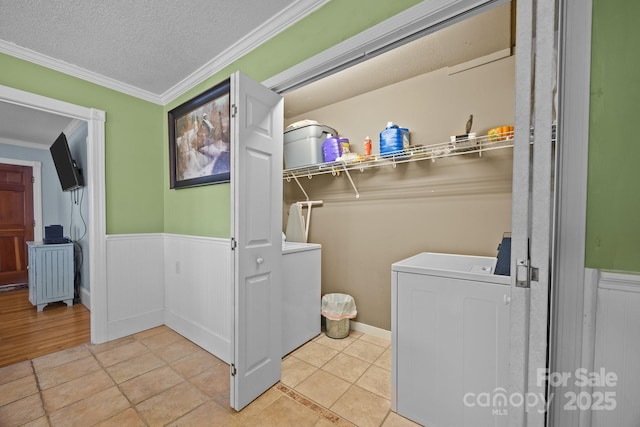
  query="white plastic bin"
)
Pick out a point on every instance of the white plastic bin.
point(303, 145)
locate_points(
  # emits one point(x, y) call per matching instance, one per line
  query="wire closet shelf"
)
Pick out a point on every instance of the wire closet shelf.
point(413, 153)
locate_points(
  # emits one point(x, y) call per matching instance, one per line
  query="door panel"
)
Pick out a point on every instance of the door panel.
point(532, 209)
point(520, 201)
point(541, 206)
point(16, 222)
point(258, 165)
point(256, 181)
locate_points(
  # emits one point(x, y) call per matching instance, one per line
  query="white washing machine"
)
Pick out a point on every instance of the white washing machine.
point(301, 299)
point(450, 340)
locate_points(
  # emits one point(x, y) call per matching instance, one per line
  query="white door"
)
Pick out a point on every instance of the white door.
point(256, 187)
point(532, 212)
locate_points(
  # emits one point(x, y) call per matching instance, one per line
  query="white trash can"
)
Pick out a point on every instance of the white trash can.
point(337, 309)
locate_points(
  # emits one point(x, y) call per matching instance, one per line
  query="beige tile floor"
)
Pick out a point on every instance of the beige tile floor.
point(159, 378)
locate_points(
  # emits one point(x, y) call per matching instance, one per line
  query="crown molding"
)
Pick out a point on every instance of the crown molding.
point(270, 28)
point(75, 71)
point(23, 144)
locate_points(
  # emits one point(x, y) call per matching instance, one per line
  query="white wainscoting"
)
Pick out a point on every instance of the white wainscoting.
point(135, 283)
point(198, 291)
point(617, 346)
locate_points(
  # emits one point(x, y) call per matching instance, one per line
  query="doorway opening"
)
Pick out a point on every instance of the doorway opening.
point(343, 223)
point(453, 200)
point(95, 183)
point(16, 222)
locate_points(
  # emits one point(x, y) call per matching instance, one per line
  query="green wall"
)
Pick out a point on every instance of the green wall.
point(137, 182)
point(134, 162)
point(205, 210)
point(613, 198)
point(137, 176)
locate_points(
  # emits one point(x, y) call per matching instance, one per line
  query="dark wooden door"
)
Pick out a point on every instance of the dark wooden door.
point(16, 222)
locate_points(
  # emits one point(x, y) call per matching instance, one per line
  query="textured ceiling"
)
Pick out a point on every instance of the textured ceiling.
point(148, 44)
point(154, 45)
point(147, 47)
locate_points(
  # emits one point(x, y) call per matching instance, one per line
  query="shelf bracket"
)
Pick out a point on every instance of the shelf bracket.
point(351, 181)
point(300, 185)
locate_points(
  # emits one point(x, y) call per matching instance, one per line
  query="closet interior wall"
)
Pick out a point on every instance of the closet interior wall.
point(458, 205)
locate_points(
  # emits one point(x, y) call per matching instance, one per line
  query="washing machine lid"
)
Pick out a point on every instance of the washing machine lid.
point(289, 247)
point(467, 267)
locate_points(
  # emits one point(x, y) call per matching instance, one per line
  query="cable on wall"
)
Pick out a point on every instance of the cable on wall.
point(76, 198)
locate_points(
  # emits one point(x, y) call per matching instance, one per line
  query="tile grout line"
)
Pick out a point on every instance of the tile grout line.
point(349, 345)
point(167, 364)
point(115, 383)
point(385, 417)
point(370, 364)
point(306, 401)
point(324, 412)
point(373, 364)
point(207, 401)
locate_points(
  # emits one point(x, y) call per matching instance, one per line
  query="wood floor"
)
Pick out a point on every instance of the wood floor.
point(26, 334)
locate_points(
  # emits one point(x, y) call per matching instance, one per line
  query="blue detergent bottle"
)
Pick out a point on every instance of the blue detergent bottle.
point(393, 138)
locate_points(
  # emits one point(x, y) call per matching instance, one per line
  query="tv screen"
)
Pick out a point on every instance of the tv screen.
point(68, 172)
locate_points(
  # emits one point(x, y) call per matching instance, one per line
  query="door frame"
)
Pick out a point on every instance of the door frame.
point(36, 170)
point(571, 168)
point(573, 308)
point(96, 190)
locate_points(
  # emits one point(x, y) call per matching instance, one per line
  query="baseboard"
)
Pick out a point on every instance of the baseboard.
point(213, 343)
point(370, 330)
point(85, 298)
point(124, 327)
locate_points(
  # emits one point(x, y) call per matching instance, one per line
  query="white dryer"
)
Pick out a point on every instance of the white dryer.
point(301, 299)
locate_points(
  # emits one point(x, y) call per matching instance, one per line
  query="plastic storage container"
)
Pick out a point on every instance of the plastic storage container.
point(393, 138)
point(303, 145)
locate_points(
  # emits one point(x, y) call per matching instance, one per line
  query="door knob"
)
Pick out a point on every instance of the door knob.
point(259, 260)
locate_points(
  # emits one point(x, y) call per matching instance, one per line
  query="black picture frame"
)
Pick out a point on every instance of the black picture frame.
point(200, 139)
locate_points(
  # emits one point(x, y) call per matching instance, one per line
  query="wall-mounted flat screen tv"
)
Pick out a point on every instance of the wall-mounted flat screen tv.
point(68, 172)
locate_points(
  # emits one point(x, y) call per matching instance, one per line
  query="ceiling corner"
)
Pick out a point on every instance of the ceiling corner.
point(269, 29)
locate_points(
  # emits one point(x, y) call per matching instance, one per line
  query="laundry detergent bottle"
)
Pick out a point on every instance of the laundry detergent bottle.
point(393, 138)
point(331, 148)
